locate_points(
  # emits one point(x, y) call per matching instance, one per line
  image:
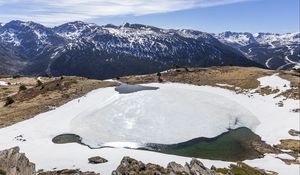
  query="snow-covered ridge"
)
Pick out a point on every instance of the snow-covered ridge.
point(141, 41)
point(30, 37)
point(236, 38)
point(275, 51)
point(148, 48)
point(271, 39)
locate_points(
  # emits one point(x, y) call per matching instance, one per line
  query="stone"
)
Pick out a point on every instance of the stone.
point(12, 162)
point(129, 166)
point(67, 172)
point(213, 168)
point(293, 132)
point(176, 168)
point(133, 167)
point(97, 160)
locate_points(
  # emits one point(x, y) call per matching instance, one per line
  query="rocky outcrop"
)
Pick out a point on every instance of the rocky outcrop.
point(67, 172)
point(133, 167)
point(12, 162)
point(97, 160)
point(293, 132)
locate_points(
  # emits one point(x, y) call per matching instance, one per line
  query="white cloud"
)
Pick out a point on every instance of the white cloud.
point(58, 11)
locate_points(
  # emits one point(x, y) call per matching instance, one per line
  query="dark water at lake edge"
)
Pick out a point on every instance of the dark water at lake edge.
point(233, 145)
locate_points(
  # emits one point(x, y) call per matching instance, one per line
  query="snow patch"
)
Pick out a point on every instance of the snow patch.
point(270, 162)
point(275, 82)
point(285, 156)
point(3, 83)
point(224, 85)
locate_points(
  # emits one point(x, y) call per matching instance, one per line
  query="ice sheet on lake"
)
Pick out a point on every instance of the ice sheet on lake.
point(160, 116)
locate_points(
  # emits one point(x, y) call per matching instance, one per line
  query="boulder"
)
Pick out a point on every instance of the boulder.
point(134, 167)
point(197, 168)
point(12, 162)
point(97, 160)
point(175, 168)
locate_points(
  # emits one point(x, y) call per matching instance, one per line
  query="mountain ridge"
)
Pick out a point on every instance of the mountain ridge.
point(275, 51)
point(86, 49)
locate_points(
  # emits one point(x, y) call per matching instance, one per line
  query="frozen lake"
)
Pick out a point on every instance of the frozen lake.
point(166, 114)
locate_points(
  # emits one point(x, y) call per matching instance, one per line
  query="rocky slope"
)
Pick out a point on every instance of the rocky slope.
point(89, 50)
point(10, 62)
point(275, 51)
point(14, 163)
point(134, 167)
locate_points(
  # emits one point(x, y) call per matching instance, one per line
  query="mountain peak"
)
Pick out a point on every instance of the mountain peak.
point(18, 24)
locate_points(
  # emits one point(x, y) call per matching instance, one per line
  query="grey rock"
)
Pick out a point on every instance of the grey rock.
point(197, 168)
point(133, 167)
point(97, 160)
point(175, 168)
point(67, 172)
point(213, 168)
point(12, 162)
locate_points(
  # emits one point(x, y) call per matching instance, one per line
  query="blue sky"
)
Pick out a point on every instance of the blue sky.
point(277, 16)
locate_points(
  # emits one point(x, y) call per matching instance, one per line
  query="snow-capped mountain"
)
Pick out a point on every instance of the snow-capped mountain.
point(275, 51)
point(78, 48)
point(236, 39)
point(28, 38)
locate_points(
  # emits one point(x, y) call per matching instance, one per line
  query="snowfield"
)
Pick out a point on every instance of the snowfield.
point(154, 112)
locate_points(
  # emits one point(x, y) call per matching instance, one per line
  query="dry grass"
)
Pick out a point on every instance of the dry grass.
point(289, 144)
point(240, 79)
point(293, 146)
point(245, 78)
point(35, 100)
point(294, 78)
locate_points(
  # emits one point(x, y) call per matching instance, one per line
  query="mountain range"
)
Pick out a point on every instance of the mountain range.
point(275, 51)
point(101, 52)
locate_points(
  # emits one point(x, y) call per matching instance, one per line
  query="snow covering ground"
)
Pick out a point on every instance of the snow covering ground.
point(275, 82)
point(105, 115)
point(3, 83)
point(224, 85)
